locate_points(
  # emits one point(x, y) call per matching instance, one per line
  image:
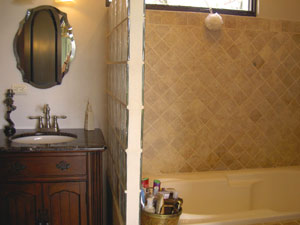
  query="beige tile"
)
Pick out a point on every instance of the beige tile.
point(169, 96)
point(170, 38)
point(168, 18)
point(289, 63)
point(276, 25)
point(287, 97)
point(225, 41)
point(297, 131)
point(225, 100)
point(181, 18)
point(275, 44)
point(250, 34)
point(202, 167)
point(234, 51)
point(288, 26)
point(159, 143)
point(186, 168)
point(228, 160)
point(186, 151)
point(230, 21)
point(295, 88)
point(160, 106)
point(287, 80)
point(159, 87)
point(161, 30)
point(255, 115)
point(229, 142)
point(263, 24)
point(169, 115)
point(259, 42)
point(151, 57)
point(194, 19)
point(152, 38)
point(160, 67)
point(151, 97)
point(150, 115)
point(212, 160)
point(296, 54)
point(154, 17)
point(258, 62)
point(161, 48)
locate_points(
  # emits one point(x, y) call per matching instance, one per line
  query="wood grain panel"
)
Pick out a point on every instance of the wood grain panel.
point(19, 204)
point(66, 203)
point(42, 166)
point(34, 190)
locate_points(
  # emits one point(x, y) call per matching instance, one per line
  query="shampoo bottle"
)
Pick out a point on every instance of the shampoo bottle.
point(149, 207)
point(89, 118)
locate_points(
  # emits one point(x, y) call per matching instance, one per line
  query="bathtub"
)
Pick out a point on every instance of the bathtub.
point(237, 197)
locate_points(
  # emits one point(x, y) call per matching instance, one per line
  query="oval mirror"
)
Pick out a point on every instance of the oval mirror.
point(44, 46)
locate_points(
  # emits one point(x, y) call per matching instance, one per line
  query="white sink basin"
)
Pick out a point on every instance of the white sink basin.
point(41, 138)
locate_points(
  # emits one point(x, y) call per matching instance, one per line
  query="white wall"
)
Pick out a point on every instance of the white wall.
point(86, 78)
point(279, 9)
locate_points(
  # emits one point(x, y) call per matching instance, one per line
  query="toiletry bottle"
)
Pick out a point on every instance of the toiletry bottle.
point(159, 203)
point(155, 190)
point(89, 118)
point(143, 198)
point(149, 207)
point(156, 183)
point(145, 182)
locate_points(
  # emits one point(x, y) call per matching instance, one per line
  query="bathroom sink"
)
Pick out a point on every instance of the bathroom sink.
point(43, 138)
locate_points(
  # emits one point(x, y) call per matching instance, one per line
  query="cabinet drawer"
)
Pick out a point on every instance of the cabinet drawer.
point(40, 166)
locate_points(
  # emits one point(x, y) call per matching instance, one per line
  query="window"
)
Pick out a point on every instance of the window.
point(235, 7)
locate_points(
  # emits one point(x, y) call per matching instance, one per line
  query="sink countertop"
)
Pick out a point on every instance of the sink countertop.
point(86, 141)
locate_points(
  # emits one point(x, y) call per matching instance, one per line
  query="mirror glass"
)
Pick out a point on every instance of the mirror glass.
point(44, 46)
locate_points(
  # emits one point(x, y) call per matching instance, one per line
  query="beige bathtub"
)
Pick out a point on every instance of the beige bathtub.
point(237, 197)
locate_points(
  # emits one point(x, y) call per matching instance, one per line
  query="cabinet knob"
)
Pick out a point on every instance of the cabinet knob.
point(63, 165)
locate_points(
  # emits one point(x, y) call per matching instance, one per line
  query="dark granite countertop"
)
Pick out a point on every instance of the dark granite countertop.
point(86, 141)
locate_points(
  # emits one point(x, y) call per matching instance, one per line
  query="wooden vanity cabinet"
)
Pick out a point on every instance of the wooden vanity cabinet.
point(58, 188)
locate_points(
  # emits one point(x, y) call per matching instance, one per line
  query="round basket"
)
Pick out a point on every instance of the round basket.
point(156, 219)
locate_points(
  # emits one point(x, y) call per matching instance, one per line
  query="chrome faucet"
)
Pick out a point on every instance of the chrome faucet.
point(46, 126)
point(47, 116)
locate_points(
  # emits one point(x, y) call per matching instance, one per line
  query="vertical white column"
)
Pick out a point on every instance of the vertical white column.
point(135, 107)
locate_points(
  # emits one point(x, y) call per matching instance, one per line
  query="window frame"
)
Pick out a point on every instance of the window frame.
point(252, 12)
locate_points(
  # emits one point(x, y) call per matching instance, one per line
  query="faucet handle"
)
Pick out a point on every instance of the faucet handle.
point(55, 123)
point(39, 118)
point(46, 109)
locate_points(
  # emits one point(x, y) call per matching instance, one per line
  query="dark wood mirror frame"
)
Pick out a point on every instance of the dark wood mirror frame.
point(39, 48)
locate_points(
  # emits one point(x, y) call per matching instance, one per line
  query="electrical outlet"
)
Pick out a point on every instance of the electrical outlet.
point(19, 89)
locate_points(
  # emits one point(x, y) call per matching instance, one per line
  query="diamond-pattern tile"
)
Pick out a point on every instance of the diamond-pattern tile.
point(220, 100)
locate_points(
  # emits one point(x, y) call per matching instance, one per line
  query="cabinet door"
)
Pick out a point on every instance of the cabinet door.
point(19, 204)
point(66, 203)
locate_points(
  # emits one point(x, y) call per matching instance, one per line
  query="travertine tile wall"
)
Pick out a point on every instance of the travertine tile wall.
point(220, 100)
